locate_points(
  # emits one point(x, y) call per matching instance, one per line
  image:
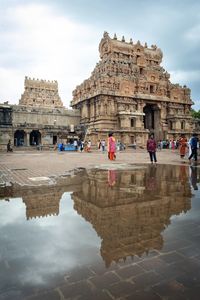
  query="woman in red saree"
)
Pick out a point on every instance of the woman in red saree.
point(182, 146)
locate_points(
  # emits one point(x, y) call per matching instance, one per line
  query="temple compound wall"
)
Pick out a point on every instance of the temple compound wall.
point(130, 94)
point(39, 119)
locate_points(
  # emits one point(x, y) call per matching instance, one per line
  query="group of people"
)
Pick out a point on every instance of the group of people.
point(183, 144)
point(192, 145)
point(151, 146)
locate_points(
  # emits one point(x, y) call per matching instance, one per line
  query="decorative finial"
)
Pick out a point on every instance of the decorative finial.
point(123, 39)
point(105, 34)
point(138, 42)
point(115, 37)
point(145, 45)
point(131, 41)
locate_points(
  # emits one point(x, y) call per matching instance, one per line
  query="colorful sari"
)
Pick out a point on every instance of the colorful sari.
point(183, 146)
point(111, 148)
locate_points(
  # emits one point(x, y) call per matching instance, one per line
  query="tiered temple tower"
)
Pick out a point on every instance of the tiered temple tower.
point(129, 210)
point(40, 93)
point(130, 93)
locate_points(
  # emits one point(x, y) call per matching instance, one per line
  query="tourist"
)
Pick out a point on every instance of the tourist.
point(9, 148)
point(89, 144)
point(189, 147)
point(81, 146)
point(173, 145)
point(193, 145)
point(159, 145)
point(182, 145)
point(62, 148)
point(111, 146)
point(99, 145)
point(151, 148)
point(103, 145)
point(76, 145)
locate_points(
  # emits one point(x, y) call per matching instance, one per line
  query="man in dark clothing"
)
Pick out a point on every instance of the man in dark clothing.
point(9, 148)
point(151, 148)
point(193, 144)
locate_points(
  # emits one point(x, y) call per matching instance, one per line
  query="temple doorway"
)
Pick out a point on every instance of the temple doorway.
point(152, 119)
point(35, 138)
point(19, 138)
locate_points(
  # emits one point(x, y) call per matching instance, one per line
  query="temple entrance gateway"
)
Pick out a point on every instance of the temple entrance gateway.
point(35, 138)
point(152, 119)
point(127, 83)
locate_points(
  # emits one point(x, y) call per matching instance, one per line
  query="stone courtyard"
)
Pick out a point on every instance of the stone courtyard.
point(20, 165)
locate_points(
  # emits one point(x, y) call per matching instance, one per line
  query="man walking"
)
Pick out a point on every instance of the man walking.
point(193, 144)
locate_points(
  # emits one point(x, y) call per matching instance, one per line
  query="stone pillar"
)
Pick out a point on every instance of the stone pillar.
point(27, 139)
point(92, 111)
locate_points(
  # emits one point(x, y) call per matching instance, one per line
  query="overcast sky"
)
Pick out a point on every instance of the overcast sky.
point(58, 40)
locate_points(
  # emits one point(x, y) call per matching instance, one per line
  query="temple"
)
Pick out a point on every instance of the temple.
point(130, 94)
point(40, 93)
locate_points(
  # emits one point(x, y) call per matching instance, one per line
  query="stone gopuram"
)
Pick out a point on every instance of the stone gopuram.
point(40, 120)
point(40, 93)
point(130, 93)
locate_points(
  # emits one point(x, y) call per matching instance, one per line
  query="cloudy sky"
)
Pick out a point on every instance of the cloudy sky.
point(59, 39)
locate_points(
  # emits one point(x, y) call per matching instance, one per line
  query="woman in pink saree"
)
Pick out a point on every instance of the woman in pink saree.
point(111, 146)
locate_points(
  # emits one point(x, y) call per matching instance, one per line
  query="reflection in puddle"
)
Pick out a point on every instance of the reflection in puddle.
point(127, 213)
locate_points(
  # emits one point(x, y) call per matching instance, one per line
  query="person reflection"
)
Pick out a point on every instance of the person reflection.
point(193, 177)
point(111, 177)
point(151, 179)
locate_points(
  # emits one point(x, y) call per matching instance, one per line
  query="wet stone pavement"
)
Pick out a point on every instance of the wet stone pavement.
point(103, 233)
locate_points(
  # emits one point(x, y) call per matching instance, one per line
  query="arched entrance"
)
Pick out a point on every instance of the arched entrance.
point(35, 138)
point(19, 138)
point(152, 119)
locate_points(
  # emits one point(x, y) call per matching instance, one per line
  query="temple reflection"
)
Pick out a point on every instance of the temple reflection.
point(130, 209)
point(44, 200)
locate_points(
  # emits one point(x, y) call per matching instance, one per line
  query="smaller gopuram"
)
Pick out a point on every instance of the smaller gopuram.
point(130, 94)
point(40, 93)
point(40, 119)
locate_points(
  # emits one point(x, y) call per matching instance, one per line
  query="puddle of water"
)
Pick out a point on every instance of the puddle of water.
point(39, 178)
point(121, 224)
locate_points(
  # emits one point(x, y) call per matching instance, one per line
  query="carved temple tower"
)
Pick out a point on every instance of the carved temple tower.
point(130, 93)
point(40, 93)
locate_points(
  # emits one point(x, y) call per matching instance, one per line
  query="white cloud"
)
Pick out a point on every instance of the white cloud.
point(182, 77)
point(46, 45)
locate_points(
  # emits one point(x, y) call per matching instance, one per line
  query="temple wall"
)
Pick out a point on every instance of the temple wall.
point(41, 116)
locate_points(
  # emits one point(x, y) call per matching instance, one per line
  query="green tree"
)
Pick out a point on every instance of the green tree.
point(195, 114)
